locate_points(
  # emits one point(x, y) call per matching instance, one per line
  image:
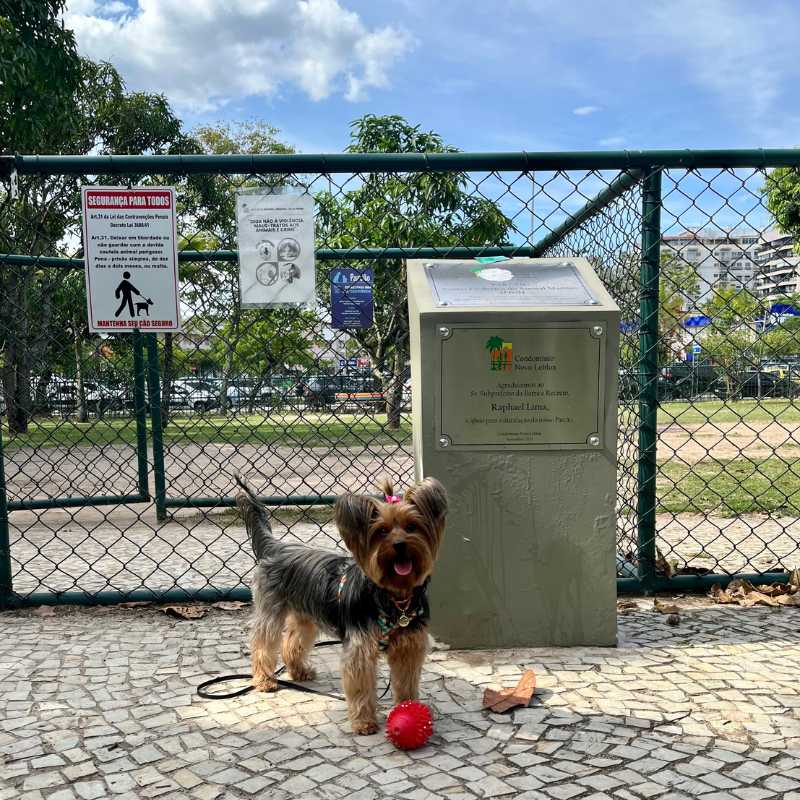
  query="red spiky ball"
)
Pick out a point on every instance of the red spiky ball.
point(409, 725)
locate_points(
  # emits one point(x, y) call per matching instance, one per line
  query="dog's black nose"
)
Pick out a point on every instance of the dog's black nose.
point(400, 548)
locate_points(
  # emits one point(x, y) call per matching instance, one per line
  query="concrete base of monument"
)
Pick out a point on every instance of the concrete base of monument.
point(520, 566)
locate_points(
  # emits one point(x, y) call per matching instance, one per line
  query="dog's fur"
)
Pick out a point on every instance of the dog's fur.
point(298, 590)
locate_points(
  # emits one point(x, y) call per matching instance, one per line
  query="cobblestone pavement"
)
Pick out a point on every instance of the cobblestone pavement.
point(100, 703)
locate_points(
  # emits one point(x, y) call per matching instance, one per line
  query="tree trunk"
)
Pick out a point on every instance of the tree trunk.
point(83, 411)
point(167, 379)
point(13, 370)
point(393, 390)
point(40, 393)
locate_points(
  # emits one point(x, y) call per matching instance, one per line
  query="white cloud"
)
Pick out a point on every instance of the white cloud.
point(612, 141)
point(204, 53)
point(584, 111)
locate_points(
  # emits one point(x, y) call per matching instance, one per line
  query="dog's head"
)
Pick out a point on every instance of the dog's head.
point(394, 541)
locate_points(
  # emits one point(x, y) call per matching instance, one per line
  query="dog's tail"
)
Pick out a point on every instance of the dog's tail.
point(256, 519)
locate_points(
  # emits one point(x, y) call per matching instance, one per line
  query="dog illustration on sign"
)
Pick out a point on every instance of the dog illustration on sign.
point(145, 306)
point(125, 290)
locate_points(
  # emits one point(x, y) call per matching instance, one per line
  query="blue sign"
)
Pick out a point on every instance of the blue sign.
point(351, 298)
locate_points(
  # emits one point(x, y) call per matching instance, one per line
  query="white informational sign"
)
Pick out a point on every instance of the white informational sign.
point(131, 259)
point(276, 248)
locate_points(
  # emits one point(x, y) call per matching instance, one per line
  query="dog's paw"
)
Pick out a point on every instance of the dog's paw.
point(365, 727)
point(303, 674)
point(266, 684)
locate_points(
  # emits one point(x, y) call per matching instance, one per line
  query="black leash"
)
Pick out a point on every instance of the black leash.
point(202, 689)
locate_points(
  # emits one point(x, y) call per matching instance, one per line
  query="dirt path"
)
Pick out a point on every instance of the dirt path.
point(757, 440)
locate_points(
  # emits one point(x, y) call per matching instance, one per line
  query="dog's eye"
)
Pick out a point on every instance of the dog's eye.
point(382, 531)
point(411, 527)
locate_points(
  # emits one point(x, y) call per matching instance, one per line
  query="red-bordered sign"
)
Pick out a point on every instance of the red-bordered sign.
point(131, 256)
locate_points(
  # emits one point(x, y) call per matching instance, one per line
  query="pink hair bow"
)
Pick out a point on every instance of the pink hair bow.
point(393, 498)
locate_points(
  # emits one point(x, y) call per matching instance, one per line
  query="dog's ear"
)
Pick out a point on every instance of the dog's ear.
point(430, 499)
point(353, 514)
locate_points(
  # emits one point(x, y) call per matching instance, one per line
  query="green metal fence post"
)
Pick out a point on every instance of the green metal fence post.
point(5, 544)
point(154, 390)
point(140, 410)
point(648, 377)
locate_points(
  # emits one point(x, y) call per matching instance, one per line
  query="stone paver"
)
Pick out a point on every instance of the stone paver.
point(100, 703)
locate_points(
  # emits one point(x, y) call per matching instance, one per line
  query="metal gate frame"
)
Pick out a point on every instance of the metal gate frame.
point(636, 167)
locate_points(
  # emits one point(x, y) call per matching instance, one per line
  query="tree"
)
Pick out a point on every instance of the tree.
point(83, 108)
point(678, 287)
point(731, 338)
point(399, 210)
point(782, 188)
point(211, 289)
point(267, 341)
point(41, 73)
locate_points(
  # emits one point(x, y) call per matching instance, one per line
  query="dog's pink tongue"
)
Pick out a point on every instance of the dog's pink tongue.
point(402, 567)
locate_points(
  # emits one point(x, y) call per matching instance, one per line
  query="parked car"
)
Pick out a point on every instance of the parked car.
point(199, 396)
point(317, 392)
point(753, 384)
point(63, 397)
point(686, 380)
point(255, 394)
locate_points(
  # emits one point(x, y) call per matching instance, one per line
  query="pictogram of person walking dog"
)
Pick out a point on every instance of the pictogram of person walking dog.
point(126, 290)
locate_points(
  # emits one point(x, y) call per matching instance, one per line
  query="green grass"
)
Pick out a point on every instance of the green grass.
point(730, 488)
point(724, 488)
point(318, 429)
point(721, 412)
point(308, 430)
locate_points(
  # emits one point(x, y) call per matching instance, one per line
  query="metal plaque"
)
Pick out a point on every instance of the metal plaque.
point(507, 284)
point(526, 388)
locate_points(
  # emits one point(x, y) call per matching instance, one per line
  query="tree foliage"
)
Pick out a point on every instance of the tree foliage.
point(41, 73)
point(399, 210)
point(51, 100)
point(782, 188)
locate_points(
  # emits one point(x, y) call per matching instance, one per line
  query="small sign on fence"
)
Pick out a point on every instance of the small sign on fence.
point(131, 259)
point(351, 298)
point(276, 248)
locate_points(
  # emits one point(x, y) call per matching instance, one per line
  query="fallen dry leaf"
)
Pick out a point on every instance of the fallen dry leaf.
point(230, 605)
point(789, 599)
point(673, 619)
point(745, 594)
point(665, 608)
point(794, 579)
point(185, 612)
point(45, 611)
point(506, 699)
point(664, 567)
point(627, 605)
point(135, 603)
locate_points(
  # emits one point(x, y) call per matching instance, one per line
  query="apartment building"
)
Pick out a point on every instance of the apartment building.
point(778, 266)
point(721, 258)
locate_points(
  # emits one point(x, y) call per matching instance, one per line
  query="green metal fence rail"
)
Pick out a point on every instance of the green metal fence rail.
point(648, 376)
point(127, 494)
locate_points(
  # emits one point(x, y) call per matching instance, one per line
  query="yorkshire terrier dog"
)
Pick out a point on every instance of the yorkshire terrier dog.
point(374, 602)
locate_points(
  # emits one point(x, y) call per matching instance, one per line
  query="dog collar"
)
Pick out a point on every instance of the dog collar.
point(388, 628)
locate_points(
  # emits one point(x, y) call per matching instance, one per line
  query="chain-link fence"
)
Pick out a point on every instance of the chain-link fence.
point(119, 450)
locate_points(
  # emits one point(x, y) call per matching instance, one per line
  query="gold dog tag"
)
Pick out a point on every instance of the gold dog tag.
point(403, 621)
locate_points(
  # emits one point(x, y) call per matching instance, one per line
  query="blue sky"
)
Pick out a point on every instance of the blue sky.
point(520, 74)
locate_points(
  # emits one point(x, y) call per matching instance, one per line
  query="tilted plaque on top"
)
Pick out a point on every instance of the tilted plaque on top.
point(507, 284)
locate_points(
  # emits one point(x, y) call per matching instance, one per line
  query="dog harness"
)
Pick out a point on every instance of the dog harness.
point(386, 627)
